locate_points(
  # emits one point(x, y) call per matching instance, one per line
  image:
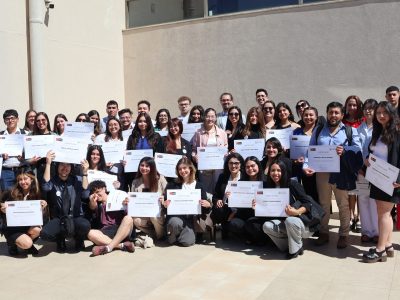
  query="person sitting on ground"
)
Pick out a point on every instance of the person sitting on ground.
point(116, 226)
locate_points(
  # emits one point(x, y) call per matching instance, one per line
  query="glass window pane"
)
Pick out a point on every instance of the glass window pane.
point(216, 7)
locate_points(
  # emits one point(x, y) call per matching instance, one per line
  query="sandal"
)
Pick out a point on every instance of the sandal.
point(389, 251)
point(373, 256)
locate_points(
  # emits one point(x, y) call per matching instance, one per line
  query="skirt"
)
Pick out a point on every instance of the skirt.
point(378, 194)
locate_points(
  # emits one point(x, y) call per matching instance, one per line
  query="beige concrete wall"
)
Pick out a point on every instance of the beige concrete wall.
point(321, 52)
point(14, 87)
point(83, 64)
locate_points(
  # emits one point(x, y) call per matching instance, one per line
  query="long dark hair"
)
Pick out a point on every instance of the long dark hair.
point(101, 166)
point(154, 176)
point(200, 109)
point(279, 106)
point(284, 181)
point(387, 134)
point(97, 129)
point(26, 126)
point(236, 155)
point(158, 116)
point(55, 128)
point(170, 141)
point(260, 172)
point(240, 125)
point(150, 134)
point(108, 133)
point(359, 114)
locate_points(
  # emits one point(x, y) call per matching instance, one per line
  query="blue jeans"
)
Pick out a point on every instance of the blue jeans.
point(7, 180)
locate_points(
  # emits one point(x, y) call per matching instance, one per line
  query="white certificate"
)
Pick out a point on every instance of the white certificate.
point(126, 134)
point(69, 150)
point(12, 144)
point(166, 164)
point(271, 202)
point(38, 145)
point(189, 129)
point(113, 151)
point(381, 174)
point(323, 158)
point(144, 205)
point(283, 135)
point(133, 157)
point(211, 158)
point(250, 147)
point(184, 202)
point(115, 199)
point(24, 213)
point(242, 192)
point(103, 176)
point(362, 187)
point(79, 130)
point(299, 146)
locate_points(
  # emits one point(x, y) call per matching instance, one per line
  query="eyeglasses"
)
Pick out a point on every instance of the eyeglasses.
point(9, 119)
point(268, 109)
point(234, 114)
point(368, 108)
point(234, 163)
point(301, 105)
point(41, 121)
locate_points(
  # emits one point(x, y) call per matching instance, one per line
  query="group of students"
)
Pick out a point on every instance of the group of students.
point(74, 208)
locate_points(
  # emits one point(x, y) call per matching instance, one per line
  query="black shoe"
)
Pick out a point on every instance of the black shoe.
point(294, 255)
point(79, 245)
point(199, 238)
point(13, 250)
point(373, 256)
point(61, 246)
point(353, 224)
point(32, 250)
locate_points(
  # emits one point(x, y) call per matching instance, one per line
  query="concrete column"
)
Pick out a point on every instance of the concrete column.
point(37, 12)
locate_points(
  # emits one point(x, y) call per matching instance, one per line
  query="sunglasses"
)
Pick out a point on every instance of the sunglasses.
point(234, 114)
point(268, 109)
point(301, 105)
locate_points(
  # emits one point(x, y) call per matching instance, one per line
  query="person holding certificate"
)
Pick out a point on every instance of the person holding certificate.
point(149, 180)
point(288, 233)
point(23, 237)
point(42, 127)
point(366, 204)
point(113, 133)
point(115, 226)
point(11, 164)
point(209, 135)
point(59, 124)
point(255, 126)
point(181, 228)
point(64, 194)
point(29, 120)
point(385, 144)
point(309, 119)
point(348, 150)
point(174, 143)
point(273, 151)
point(233, 170)
point(234, 126)
point(242, 221)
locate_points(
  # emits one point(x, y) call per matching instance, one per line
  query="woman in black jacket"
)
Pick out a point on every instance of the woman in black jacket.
point(181, 228)
point(289, 232)
point(233, 171)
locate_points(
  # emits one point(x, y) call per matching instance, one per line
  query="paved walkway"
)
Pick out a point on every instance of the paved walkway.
point(225, 270)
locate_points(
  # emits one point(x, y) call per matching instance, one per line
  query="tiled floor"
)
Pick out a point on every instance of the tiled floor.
point(225, 270)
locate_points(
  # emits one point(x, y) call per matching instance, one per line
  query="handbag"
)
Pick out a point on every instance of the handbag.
point(312, 218)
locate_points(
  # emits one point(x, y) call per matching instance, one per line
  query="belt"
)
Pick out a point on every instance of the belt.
point(12, 168)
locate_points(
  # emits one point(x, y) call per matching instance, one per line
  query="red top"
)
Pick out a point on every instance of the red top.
point(354, 124)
